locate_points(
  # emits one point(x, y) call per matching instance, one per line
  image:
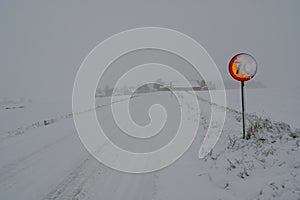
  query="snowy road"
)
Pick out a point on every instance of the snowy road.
point(50, 162)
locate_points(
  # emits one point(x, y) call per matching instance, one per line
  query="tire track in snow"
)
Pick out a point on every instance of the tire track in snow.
point(72, 187)
point(110, 183)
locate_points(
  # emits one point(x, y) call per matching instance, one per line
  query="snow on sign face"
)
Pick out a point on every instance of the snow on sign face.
point(242, 67)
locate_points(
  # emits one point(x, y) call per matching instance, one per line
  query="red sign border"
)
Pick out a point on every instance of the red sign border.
point(233, 74)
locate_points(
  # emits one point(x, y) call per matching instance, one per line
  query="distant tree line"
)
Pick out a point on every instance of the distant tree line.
point(159, 85)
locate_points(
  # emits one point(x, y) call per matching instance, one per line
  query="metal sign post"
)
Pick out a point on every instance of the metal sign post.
point(243, 108)
point(242, 67)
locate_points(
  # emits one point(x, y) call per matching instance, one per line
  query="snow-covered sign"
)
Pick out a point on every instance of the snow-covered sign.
point(242, 67)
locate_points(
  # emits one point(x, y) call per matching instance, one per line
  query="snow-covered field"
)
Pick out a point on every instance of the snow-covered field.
point(278, 104)
point(41, 161)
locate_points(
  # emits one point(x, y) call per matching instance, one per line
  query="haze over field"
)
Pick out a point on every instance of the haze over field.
point(44, 43)
point(51, 146)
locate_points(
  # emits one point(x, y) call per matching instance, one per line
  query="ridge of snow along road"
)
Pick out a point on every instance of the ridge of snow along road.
point(46, 122)
point(267, 166)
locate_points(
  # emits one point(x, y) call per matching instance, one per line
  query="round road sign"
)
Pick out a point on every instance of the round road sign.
point(242, 67)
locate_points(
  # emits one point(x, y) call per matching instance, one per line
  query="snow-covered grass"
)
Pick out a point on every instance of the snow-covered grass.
point(263, 167)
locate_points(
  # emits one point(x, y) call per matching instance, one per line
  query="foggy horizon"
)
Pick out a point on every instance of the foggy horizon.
point(44, 44)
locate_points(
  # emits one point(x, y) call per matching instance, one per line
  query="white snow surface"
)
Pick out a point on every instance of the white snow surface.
point(39, 161)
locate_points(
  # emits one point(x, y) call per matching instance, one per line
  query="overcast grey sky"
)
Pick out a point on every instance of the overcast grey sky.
point(44, 42)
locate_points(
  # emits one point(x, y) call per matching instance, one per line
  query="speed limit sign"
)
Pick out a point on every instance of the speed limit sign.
point(243, 67)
